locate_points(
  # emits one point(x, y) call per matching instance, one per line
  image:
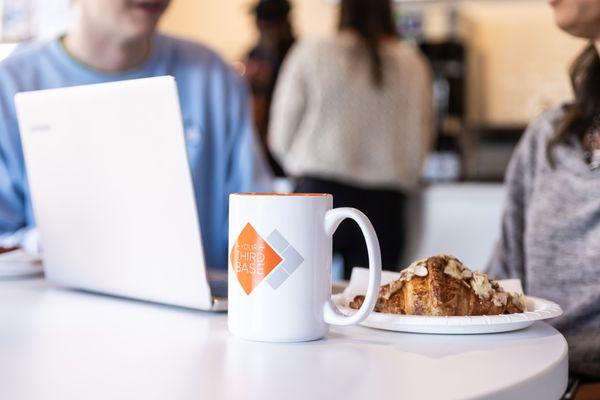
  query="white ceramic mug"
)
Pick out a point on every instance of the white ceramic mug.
point(280, 251)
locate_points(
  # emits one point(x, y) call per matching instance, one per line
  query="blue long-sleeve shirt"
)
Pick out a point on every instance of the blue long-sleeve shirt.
point(223, 154)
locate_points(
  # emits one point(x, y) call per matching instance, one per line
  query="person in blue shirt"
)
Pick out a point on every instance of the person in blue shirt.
point(116, 40)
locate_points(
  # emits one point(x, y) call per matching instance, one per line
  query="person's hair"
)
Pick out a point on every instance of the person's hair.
point(579, 115)
point(371, 20)
point(272, 10)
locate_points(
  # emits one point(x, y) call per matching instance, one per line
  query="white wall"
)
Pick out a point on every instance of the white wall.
point(518, 59)
point(33, 18)
point(459, 219)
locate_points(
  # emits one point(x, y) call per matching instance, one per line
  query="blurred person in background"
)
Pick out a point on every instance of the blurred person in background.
point(262, 64)
point(352, 116)
point(115, 40)
point(551, 224)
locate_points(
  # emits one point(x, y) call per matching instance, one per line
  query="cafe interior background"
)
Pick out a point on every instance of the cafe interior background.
point(497, 65)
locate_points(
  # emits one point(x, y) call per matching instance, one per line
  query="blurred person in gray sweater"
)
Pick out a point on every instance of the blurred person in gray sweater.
point(551, 224)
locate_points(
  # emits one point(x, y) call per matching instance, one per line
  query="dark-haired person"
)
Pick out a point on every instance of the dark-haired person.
point(263, 62)
point(551, 225)
point(352, 116)
point(116, 40)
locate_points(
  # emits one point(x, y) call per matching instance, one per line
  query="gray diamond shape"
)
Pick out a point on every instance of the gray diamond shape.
point(277, 241)
point(277, 277)
point(291, 260)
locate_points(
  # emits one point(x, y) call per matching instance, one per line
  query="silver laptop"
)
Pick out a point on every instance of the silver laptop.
point(112, 192)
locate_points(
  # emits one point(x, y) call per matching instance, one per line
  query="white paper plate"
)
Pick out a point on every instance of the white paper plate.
point(537, 309)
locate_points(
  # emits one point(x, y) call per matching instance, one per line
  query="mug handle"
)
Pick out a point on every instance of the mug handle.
point(333, 219)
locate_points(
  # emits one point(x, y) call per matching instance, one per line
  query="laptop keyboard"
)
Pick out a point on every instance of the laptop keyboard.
point(219, 288)
point(217, 281)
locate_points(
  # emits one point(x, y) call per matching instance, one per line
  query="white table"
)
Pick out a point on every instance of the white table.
point(61, 344)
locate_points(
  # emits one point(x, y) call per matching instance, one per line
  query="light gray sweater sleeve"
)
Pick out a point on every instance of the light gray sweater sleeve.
point(508, 258)
point(551, 236)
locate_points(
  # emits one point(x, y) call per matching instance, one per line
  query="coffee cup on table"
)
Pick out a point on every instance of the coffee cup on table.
point(280, 254)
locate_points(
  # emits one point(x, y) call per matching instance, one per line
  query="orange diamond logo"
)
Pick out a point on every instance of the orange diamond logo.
point(252, 258)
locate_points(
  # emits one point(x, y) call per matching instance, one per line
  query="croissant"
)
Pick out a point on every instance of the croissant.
point(442, 286)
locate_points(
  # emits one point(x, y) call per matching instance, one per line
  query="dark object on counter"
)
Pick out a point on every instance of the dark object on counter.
point(385, 210)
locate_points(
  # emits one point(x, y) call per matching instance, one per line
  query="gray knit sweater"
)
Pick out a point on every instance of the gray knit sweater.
point(551, 236)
